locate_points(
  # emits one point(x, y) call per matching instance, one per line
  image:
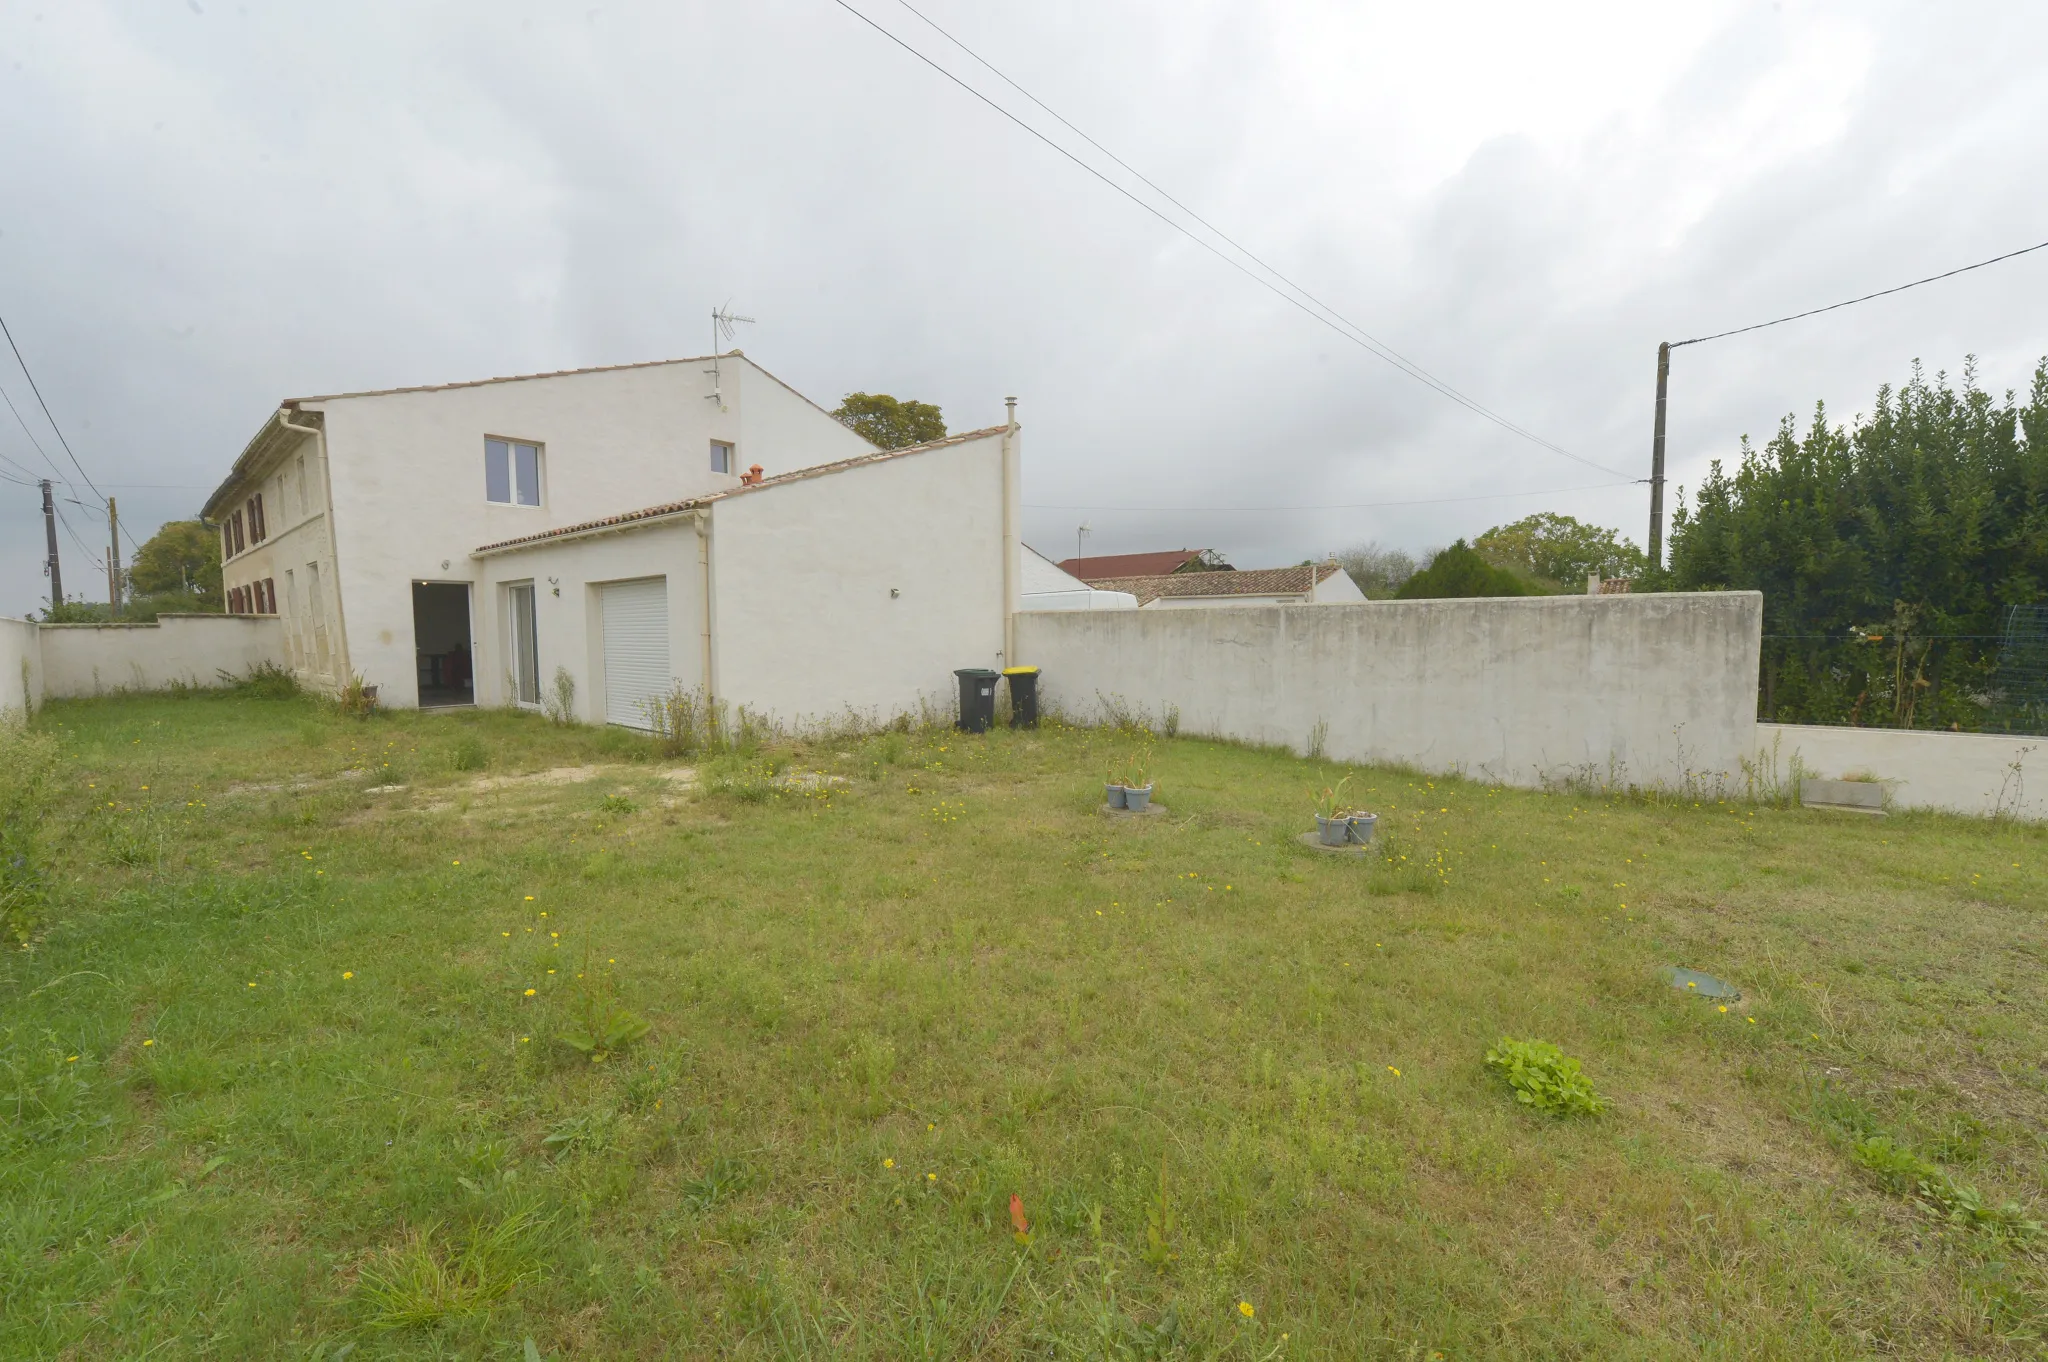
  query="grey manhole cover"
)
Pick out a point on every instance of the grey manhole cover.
point(1705, 985)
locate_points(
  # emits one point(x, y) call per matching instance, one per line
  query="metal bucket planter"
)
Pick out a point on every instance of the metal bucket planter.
point(1115, 796)
point(1137, 798)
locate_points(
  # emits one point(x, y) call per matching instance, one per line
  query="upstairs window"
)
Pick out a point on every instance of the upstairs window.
point(721, 457)
point(236, 525)
point(257, 533)
point(511, 473)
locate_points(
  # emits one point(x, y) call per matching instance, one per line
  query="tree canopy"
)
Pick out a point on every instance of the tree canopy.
point(883, 420)
point(1459, 571)
point(1559, 550)
point(1887, 552)
point(182, 556)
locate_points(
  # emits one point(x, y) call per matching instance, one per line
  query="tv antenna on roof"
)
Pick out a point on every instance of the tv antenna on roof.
point(722, 323)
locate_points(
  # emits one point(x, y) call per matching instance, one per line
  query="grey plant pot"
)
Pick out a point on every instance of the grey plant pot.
point(1137, 798)
point(1113, 795)
point(1362, 826)
point(1333, 832)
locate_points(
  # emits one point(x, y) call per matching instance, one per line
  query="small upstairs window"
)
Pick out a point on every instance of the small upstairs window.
point(721, 456)
point(257, 532)
point(511, 473)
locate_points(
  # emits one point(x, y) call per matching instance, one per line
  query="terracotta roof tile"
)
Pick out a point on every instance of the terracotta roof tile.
point(1287, 581)
point(1130, 564)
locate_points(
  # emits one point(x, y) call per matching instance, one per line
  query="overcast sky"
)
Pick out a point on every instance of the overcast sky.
point(208, 206)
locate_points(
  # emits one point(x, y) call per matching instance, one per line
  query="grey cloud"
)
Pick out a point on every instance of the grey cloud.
point(207, 211)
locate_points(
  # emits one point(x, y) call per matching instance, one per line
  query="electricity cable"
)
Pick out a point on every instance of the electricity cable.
point(1883, 292)
point(1334, 506)
point(1355, 335)
point(1377, 346)
point(46, 409)
point(54, 467)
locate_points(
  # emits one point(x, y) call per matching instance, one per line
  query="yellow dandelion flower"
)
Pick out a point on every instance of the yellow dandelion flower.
point(72, 1060)
point(931, 1177)
point(1722, 1008)
point(1394, 1071)
point(524, 1039)
point(888, 1163)
point(252, 983)
point(529, 898)
point(348, 974)
point(1750, 1020)
point(1245, 1308)
point(146, 1044)
point(529, 993)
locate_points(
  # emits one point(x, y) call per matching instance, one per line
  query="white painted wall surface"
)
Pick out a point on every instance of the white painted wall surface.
point(1047, 587)
point(406, 475)
point(567, 619)
point(1972, 773)
point(97, 659)
point(1641, 690)
point(802, 572)
point(1337, 589)
point(21, 667)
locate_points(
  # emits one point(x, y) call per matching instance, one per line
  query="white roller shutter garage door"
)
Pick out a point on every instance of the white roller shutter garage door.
point(636, 669)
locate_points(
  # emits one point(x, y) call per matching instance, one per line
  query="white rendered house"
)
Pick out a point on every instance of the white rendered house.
point(353, 516)
point(855, 586)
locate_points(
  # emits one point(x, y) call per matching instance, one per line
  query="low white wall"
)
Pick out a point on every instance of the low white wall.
point(95, 659)
point(21, 666)
point(1973, 773)
point(1650, 690)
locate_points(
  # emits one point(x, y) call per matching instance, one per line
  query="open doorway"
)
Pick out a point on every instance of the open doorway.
point(440, 640)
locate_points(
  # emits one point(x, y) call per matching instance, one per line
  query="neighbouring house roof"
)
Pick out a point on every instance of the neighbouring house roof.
point(1129, 564)
point(266, 437)
point(625, 519)
point(1287, 581)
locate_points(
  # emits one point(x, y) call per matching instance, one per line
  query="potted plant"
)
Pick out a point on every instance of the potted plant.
point(1333, 820)
point(1137, 785)
point(1113, 786)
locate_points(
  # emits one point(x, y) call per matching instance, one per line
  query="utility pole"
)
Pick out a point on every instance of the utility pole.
point(113, 559)
point(1657, 462)
point(50, 534)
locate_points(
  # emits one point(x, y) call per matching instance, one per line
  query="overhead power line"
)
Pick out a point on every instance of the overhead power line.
point(1883, 292)
point(1337, 506)
point(1313, 306)
point(46, 410)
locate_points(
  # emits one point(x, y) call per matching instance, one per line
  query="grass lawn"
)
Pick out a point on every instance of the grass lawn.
point(283, 1077)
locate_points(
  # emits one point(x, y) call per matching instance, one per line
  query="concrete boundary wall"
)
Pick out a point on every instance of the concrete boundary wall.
point(21, 667)
point(1641, 690)
point(1986, 774)
point(101, 659)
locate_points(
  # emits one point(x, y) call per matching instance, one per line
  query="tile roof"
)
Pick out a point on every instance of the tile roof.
point(674, 508)
point(1129, 564)
point(1286, 581)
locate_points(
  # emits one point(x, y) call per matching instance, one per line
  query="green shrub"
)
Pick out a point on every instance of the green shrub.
point(469, 754)
point(1544, 1078)
point(1900, 1170)
point(28, 767)
point(1458, 571)
point(264, 681)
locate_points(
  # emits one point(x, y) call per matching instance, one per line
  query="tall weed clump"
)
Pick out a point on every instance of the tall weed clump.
point(687, 722)
point(28, 771)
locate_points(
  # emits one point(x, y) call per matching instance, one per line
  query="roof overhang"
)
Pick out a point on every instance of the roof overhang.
point(269, 442)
